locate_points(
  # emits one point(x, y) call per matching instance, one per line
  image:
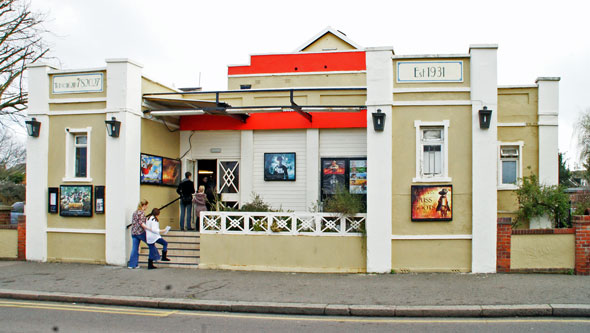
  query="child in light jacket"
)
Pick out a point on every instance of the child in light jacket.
point(153, 236)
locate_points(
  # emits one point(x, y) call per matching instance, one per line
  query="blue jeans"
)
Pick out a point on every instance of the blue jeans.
point(164, 244)
point(134, 257)
point(154, 254)
point(188, 207)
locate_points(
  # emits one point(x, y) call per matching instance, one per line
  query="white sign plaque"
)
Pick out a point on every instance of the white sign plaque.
point(77, 83)
point(429, 71)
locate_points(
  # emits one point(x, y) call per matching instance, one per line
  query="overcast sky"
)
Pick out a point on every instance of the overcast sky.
point(178, 40)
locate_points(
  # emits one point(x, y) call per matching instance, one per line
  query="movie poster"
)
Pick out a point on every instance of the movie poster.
point(432, 203)
point(170, 172)
point(358, 177)
point(75, 200)
point(279, 166)
point(333, 175)
point(151, 169)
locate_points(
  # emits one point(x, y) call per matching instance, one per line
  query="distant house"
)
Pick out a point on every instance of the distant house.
point(430, 142)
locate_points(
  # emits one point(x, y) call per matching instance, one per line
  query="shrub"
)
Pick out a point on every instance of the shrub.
point(343, 202)
point(536, 200)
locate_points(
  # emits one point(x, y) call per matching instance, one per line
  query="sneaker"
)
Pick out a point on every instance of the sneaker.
point(136, 267)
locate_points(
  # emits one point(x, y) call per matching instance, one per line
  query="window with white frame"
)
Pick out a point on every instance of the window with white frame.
point(431, 151)
point(510, 164)
point(81, 155)
point(77, 154)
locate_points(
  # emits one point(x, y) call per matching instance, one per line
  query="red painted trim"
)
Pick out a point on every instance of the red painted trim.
point(302, 62)
point(279, 120)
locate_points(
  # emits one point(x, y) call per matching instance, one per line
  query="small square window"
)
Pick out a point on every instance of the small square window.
point(509, 168)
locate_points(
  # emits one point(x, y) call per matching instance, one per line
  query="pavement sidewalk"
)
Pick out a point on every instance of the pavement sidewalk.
point(426, 294)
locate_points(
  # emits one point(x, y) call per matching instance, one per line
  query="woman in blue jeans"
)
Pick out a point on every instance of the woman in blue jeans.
point(138, 228)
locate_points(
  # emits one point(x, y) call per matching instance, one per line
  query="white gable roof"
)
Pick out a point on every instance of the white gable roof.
point(333, 31)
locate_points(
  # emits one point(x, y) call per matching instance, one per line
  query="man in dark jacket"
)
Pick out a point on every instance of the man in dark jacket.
point(185, 189)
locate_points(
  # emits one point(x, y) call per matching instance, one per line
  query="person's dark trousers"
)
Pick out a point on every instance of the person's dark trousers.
point(185, 207)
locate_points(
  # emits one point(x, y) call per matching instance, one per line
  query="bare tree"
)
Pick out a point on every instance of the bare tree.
point(582, 130)
point(21, 44)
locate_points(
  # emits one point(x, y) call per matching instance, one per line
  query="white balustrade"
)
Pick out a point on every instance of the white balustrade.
point(257, 223)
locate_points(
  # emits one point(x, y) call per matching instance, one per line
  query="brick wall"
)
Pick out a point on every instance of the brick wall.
point(22, 238)
point(582, 227)
point(4, 214)
point(504, 243)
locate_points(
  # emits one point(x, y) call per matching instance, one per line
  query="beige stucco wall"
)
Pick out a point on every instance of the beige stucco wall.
point(74, 247)
point(466, 75)
point(150, 86)
point(328, 42)
point(431, 255)
point(542, 251)
point(404, 168)
point(283, 253)
point(356, 97)
point(431, 96)
point(56, 164)
point(157, 140)
point(518, 105)
point(310, 80)
point(102, 94)
point(9, 243)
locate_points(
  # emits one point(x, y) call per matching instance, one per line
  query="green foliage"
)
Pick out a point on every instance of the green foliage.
point(343, 203)
point(256, 205)
point(583, 203)
point(565, 174)
point(535, 200)
point(11, 192)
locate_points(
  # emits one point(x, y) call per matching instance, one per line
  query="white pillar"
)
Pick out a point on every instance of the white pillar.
point(246, 165)
point(379, 160)
point(37, 160)
point(122, 156)
point(484, 92)
point(548, 137)
point(313, 166)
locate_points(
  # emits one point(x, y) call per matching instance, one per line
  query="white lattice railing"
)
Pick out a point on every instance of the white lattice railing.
point(253, 223)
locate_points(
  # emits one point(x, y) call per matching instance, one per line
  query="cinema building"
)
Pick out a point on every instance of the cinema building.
point(429, 143)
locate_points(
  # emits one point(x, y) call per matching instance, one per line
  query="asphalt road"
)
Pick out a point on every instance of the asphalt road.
point(25, 316)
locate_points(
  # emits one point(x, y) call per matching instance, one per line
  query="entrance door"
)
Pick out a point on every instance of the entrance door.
point(228, 182)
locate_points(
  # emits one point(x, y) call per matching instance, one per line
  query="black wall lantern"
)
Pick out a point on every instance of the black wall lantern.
point(378, 120)
point(485, 116)
point(33, 127)
point(113, 127)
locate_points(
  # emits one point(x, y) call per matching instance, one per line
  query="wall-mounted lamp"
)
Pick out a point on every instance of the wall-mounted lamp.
point(113, 127)
point(33, 127)
point(485, 116)
point(378, 120)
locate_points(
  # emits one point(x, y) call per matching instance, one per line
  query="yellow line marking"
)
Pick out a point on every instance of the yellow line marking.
point(162, 313)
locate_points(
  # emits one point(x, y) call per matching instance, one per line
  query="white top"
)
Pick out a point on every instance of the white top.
point(152, 224)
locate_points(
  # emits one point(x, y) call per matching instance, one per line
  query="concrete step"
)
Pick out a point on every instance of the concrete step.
point(170, 264)
point(182, 239)
point(175, 252)
point(173, 259)
point(180, 246)
point(176, 233)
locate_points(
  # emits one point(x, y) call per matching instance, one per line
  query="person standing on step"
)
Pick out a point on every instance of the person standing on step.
point(138, 227)
point(185, 189)
point(200, 201)
point(153, 236)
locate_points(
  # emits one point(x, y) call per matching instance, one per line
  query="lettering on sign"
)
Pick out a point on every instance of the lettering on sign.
point(429, 71)
point(77, 83)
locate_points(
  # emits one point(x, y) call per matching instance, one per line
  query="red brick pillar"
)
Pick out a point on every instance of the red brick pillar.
point(22, 238)
point(582, 229)
point(5, 214)
point(503, 244)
